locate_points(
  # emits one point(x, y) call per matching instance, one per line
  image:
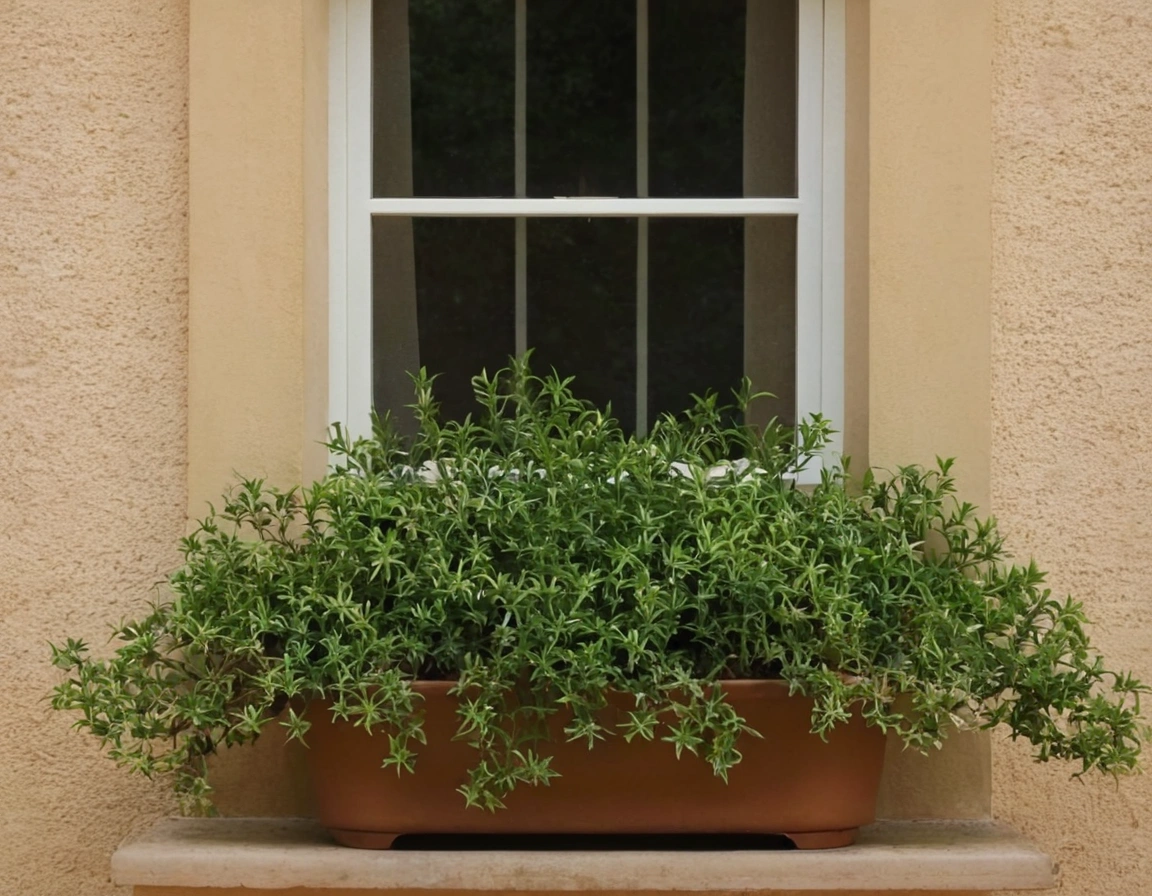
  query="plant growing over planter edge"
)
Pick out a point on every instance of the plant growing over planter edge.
point(542, 558)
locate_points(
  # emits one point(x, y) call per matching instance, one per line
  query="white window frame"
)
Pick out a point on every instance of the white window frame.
point(818, 208)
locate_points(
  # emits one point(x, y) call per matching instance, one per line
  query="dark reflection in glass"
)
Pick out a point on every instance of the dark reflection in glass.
point(770, 315)
point(465, 283)
point(721, 304)
point(695, 310)
point(722, 121)
point(582, 306)
point(443, 298)
point(443, 85)
point(581, 98)
point(696, 90)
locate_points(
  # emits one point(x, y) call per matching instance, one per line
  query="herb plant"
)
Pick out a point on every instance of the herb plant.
point(542, 558)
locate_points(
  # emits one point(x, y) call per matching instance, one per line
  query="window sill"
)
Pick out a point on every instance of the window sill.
point(280, 854)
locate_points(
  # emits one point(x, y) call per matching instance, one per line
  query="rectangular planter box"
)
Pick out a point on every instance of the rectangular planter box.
point(790, 782)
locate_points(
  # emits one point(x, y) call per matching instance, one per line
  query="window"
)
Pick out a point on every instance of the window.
point(647, 192)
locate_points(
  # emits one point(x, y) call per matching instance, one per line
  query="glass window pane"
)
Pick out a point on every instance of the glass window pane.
point(695, 310)
point(443, 298)
point(770, 315)
point(443, 82)
point(582, 306)
point(722, 97)
point(581, 87)
point(721, 303)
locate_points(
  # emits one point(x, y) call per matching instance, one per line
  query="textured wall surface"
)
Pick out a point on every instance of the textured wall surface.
point(93, 365)
point(1072, 377)
point(929, 308)
point(93, 290)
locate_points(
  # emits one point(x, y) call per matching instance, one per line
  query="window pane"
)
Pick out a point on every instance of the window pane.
point(770, 315)
point(582, 306)
point(443, 298)
point(722, 97)
point(443, 81)
point(581, 98)
point(695, 310)
point(721, 303)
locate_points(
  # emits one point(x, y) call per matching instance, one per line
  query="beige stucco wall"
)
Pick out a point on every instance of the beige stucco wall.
point(1015, 339)
point(929, 191)
point(1072, 377)
point(257, 379)
point(93, 302)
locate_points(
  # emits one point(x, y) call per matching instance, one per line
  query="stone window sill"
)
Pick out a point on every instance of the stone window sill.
point(282, 854)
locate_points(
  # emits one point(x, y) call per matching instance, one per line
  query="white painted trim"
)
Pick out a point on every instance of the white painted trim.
point(580, 207)
point(358, 132)
point(338, 261)
point(834, 150)
point(809, 234)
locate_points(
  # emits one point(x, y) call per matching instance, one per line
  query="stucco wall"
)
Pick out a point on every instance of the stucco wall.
point(1072, 377)
point(93, 300)
point(93, 368)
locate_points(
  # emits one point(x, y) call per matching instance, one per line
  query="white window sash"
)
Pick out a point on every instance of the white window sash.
point(818, 209)
point(350, 229)
point(809, 187)
point(580, 207)
point(831, 399)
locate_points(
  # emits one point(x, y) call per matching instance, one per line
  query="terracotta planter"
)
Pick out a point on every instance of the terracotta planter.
point(789, 782)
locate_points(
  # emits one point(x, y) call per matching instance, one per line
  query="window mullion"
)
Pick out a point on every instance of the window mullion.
point(642, 221)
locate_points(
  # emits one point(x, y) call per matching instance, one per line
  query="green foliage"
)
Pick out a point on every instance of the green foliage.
point(541, 558)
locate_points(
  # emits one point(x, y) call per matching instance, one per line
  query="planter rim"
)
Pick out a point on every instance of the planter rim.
point(762, 687)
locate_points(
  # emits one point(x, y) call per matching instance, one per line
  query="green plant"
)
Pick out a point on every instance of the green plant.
point(542, 558)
